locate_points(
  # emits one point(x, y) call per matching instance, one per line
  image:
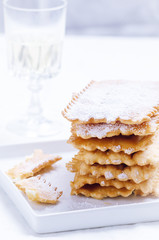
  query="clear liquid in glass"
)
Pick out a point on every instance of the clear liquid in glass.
point(41, 57)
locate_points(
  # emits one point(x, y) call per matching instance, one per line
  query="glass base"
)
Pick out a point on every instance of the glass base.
point(34, 127)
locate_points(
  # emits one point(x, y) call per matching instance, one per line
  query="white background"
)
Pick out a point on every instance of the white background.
point(115, 17)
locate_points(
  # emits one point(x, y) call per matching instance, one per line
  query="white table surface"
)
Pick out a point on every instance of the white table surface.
point(84, 59)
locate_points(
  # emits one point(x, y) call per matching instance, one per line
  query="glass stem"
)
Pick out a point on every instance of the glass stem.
point(35, 109)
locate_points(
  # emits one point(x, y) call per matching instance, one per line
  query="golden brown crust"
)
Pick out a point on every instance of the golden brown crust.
point(100, 188)
point(145, 187)
point(98, 192)
point(127, 144)
point(121, 172)
point(141, 158)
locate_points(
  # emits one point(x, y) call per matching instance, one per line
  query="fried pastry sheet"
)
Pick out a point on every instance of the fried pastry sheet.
point(121, 172)
point(102, 130)
point(32, 165)
point(129, 102)
point(127, 144)
point(100, 188)
point(141, 158)
point(146, 187)
point(98, 192)
point(39, 189)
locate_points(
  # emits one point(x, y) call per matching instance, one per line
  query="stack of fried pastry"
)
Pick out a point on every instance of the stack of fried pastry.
point(115, 127)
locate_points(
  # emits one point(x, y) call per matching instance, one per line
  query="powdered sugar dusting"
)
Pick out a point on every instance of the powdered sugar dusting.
point(101, 130)
point(40, 185)
point(94, 173)
point(108, 175)
point(117, 148)
point(123, 176)
point(117, 161)
point(102, 183)
point(129, 150)
point(116, 100)
point(32, 164)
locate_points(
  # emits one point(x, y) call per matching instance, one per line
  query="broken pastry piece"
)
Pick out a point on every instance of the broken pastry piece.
point(114, 124)
point(31, 176)
point(39, 189)
point(32, 165)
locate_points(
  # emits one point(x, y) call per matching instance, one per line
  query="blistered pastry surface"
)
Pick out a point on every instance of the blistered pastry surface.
point(127, 144)
point(121, 172)
point(82, 180)
point(98, 192)
point(141, 158)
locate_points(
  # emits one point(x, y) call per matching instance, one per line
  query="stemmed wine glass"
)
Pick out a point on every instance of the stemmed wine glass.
point(34, 32)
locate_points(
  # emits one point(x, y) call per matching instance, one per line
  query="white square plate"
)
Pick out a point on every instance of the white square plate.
point(71, 212)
